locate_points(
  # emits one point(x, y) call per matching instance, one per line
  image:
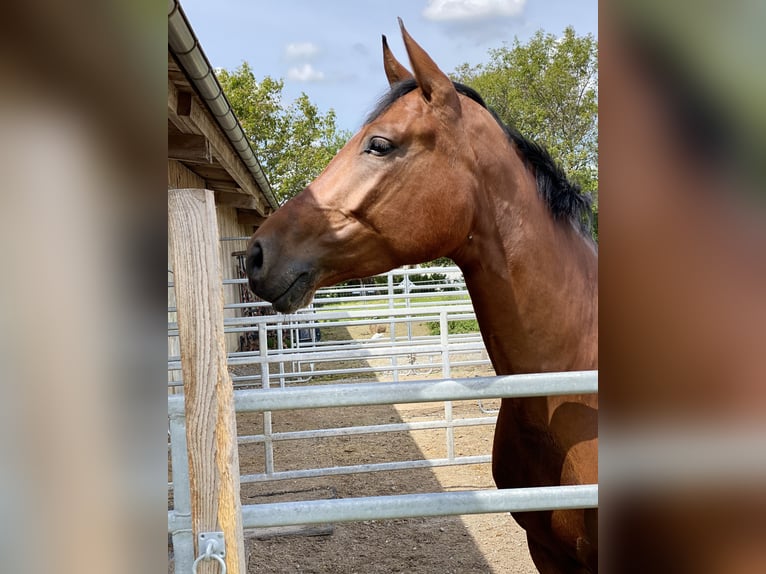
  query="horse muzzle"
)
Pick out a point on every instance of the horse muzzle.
point(287, 284)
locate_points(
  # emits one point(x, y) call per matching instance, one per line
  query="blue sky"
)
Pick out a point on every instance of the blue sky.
point(331, 49)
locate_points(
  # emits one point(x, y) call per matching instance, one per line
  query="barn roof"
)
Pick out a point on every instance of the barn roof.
point(203, 132)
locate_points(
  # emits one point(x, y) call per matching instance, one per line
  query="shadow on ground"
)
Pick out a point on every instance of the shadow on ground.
point(441, 545)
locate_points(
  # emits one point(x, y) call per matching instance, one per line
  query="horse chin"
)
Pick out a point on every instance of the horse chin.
point(298, 295)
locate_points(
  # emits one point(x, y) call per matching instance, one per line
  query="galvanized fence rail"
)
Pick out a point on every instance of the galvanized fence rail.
point(398, 301)
point(403, 506)
point(396, 306)
point(277, 368)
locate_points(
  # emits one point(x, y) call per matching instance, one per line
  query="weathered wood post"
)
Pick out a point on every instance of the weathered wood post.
point(209, 400)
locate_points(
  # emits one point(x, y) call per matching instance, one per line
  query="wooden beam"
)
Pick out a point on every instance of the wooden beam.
point(227, 185)
point(184, 103)
point(189, 147)
point(200, 121)
point(211, 431)
point(240, 200)
point(248, 217)
point(212, 171)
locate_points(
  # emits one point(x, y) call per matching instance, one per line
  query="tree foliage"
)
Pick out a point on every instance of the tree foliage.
point(294, 143)
point(547, 88)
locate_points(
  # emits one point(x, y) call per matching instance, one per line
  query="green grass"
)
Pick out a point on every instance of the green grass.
point(455, 327)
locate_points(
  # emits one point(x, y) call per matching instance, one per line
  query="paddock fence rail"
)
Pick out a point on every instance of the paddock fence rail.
point(392, 506)
point(384, 316)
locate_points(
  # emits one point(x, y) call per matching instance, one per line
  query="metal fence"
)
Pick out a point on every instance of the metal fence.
point(315, 345)
point(381, 507)
point(397, 303)
point(296, 348)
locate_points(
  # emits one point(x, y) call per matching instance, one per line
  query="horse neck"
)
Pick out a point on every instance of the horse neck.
point(532, 280)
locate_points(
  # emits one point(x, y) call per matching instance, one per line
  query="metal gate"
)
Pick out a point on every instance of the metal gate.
point(389, 506)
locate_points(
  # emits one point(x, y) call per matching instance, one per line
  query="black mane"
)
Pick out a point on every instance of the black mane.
point(565, 199)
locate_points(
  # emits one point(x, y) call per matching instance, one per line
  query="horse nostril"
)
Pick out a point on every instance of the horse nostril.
point(255, 259)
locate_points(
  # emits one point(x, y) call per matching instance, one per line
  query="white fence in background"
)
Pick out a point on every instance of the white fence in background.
point(389, 316)
point(300, 346)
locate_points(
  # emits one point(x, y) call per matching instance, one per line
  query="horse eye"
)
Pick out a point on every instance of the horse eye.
point(379, 146)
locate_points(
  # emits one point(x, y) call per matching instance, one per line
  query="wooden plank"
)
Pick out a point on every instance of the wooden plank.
point(180, 176)
point(209, 401)
point(248, 217)
point(212, 171)
point(228, 185)
point(189, 147)
point(240, 200)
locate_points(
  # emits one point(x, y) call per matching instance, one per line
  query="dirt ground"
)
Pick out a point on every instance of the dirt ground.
point(482, 543)
point(440, 545)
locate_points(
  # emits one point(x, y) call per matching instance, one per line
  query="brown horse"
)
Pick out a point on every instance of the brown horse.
point(433, 173)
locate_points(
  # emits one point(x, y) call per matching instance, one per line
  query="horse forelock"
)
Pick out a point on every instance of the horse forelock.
point(564, 198)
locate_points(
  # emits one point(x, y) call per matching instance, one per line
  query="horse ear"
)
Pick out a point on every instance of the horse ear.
point(395, 72)
point(437, 88)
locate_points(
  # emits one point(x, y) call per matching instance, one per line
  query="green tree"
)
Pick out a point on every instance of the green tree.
point(294, 143)
point(547, 88)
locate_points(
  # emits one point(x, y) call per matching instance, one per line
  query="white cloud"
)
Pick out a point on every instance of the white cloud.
point(301, 50)
point(305, 73)
point(462, 10)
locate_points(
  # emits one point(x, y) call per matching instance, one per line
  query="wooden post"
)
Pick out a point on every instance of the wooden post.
point(209, 401)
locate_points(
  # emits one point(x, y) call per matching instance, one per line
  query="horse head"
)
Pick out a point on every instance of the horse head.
point(399, 192)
